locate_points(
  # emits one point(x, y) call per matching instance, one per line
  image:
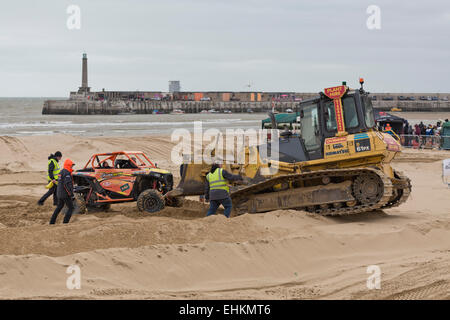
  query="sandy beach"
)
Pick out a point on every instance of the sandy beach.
point(178, 253)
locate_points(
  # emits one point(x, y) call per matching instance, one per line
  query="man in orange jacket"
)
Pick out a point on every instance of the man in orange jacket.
point(64, 192)
point(387, 127)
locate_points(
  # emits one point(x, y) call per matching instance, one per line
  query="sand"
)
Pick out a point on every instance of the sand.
point(178, 253)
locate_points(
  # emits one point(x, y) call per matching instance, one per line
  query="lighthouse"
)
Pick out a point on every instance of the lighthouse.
point(84, 76)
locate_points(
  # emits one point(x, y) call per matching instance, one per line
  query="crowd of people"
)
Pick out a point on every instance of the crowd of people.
point(419, 135)
point(421, 129)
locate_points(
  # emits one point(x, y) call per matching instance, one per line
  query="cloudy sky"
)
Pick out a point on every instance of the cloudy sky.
point(273, 45)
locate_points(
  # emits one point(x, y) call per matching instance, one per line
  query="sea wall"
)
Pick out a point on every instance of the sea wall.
point(118, 106)
point(82, 107)
point(102, 107)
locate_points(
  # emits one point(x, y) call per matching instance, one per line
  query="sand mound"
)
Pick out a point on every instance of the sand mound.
point(31, 152)
point(285, 254)
point(179, 253)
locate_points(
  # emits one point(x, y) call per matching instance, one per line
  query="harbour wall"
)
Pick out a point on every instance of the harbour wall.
point(145, 107)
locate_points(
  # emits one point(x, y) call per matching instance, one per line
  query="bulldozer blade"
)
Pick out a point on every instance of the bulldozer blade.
point(192, 181)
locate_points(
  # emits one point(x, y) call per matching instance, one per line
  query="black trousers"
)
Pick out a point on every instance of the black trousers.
point(59, 207)
point(51, 191)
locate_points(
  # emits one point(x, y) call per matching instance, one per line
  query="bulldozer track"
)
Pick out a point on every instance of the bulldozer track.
point(405, 192)
point(242, 193)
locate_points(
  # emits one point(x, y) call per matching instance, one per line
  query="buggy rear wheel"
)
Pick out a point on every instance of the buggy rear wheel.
point(79, 205)
point(151, 201)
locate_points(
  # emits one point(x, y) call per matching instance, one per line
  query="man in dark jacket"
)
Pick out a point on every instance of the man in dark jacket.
point(217, 190)
point(423, 128)
point(64, 192)
point(52, 175)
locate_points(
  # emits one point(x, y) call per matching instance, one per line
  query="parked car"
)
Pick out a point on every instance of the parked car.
point(388, 98)
point(434, 98)
point(374, 97)
point(402, 98)
point(444, 99)
point(411, 98)
point(205, 99)
point(423, 98)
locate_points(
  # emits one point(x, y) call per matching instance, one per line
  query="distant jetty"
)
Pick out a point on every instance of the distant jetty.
point(85, 101)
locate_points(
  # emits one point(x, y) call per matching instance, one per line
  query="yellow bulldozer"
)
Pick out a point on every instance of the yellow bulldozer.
point(338, 163)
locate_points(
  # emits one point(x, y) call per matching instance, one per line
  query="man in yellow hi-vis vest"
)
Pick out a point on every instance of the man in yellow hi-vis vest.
point(217, 189)
point(52, 176)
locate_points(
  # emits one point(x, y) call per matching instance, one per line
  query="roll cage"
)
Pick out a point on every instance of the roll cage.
point(119, 160)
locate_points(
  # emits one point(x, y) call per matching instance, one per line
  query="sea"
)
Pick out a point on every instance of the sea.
point(23, 117)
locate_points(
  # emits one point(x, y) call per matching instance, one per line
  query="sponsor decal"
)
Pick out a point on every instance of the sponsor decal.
point(337, 152)
point(392, 144)
point(336, 93)
point(362, 145)
point(125, 187)
point(338, 114)
point(361, 136)
point(335, 140)
point(108, 175)
point(338, 145)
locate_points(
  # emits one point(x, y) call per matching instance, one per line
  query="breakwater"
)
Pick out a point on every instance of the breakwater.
point(147, 107)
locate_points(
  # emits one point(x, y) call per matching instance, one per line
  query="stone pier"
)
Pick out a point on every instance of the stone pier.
point(147, 107)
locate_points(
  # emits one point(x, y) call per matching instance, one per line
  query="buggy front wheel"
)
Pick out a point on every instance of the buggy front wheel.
point(150, 201)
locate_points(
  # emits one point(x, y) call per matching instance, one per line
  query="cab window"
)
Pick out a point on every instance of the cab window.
point(310, 127)
point(368, 112)
point(350, 114)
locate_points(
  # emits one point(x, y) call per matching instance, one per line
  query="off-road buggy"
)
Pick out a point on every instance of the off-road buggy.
point(123, 176)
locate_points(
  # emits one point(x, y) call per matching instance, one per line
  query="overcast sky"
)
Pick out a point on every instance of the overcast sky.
point(276, 45)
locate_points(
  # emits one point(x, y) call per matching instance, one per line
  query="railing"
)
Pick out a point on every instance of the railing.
point(392, 133)
point(422, 142)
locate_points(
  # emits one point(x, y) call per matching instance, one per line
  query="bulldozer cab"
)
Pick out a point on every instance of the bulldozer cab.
point(323, 117)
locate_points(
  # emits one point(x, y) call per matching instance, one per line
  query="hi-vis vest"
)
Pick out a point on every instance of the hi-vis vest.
point(217, 181)
point(56, 169)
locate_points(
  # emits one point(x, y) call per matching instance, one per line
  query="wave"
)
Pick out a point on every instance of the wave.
point(65, 124)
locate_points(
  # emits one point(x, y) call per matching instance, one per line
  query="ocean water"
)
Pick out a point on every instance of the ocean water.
point(22, 116)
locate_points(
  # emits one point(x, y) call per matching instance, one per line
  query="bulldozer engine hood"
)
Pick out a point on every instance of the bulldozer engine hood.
point(391, 143)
